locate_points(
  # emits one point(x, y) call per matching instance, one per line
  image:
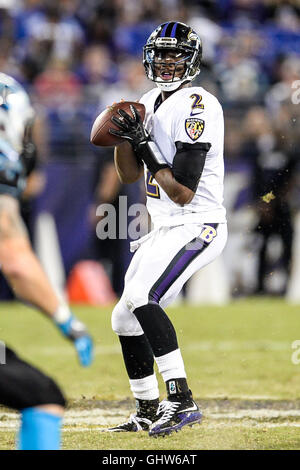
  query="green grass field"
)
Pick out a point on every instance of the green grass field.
point(238, 361)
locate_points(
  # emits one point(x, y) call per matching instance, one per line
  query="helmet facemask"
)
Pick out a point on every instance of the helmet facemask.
point(168, 67)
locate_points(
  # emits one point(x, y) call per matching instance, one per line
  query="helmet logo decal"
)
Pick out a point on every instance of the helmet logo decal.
point(194, 128)
point(192, 36)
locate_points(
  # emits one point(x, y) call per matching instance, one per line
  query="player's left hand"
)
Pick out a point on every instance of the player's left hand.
point(76, 331)
point(131, 128)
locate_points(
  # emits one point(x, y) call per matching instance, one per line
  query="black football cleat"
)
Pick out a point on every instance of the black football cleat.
point(135, 423)
point(173, 416)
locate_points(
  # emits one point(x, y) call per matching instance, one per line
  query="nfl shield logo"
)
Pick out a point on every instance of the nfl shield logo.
point(194, 128)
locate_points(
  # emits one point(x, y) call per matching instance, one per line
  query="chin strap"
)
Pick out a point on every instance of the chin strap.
point(169, 86)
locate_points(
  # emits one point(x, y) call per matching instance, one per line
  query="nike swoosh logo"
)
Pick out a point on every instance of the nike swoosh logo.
point(196, 114)
point(193, 408)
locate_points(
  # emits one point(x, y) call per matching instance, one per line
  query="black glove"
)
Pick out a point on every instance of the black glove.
point(132, 130)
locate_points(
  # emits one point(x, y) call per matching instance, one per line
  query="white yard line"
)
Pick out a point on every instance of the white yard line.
point(98, 418)
point(237, 345)
point(233, 345)
point(285, 424)
point(245, 425)
point(255, 414)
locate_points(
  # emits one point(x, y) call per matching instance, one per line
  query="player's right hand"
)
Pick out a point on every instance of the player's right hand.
point(131, 128)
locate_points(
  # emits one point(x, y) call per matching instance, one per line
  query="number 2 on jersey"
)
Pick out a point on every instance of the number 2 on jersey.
point(152, 189)
point(197, 105)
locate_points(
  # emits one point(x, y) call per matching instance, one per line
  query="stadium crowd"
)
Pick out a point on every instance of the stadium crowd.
point(76, 57)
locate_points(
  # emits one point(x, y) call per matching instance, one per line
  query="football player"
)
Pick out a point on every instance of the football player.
point(22, 386)
point(179, 147)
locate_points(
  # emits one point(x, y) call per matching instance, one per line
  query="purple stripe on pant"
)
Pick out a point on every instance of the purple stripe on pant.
point(189, 252)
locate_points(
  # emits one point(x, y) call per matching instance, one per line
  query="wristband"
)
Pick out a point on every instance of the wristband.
point(151, 156)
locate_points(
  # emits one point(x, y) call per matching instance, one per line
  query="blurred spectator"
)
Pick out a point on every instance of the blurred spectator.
point(286, 16)
point(238, 11)
point(6, 22)
point(233, 140)
point(99, 19)
point(136, 21)
point(240, 75)
point(132, 83)
point(97, 71)
point(66, 114)
point(288, 72)
point(47, 31)
point(209, 31)
point(272, 178)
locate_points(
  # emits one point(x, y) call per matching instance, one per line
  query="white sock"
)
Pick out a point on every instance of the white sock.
point(146, 388)
point(171, 365)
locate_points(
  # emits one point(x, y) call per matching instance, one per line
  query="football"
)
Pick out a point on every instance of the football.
point(100, 135)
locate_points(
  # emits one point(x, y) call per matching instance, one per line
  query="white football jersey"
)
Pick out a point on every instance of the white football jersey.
point(189, 115)
point(15, 112)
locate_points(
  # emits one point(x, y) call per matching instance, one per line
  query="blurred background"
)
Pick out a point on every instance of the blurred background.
point(74, 58)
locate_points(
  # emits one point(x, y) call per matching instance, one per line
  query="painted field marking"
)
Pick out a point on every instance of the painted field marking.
point(99, 418)
point(233, 345)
